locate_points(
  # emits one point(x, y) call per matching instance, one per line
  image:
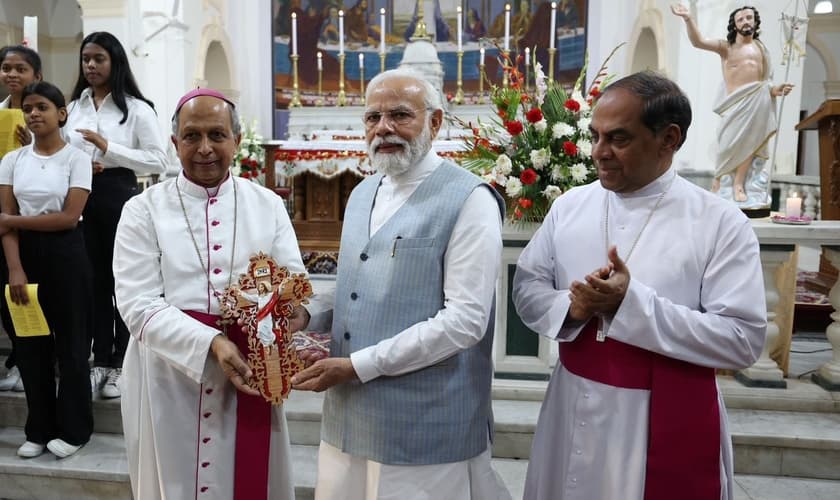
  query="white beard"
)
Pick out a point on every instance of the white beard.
point(396, 164)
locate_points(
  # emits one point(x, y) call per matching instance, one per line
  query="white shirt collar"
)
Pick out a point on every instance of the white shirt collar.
point(190, 188)
point(656, 186)
point(418, 172)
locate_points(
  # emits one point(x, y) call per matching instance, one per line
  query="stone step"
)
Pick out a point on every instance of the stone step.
point(99, 472)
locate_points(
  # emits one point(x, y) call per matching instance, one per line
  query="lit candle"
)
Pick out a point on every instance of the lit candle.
point(793, 208)
point(553, 33)
point(527, 56)
point(362, 62)
point(460, 28)
point(294, 33)
point(507, 27)
point(481, 56)
point(320, 62)
point(341, 32)
point(381, 31)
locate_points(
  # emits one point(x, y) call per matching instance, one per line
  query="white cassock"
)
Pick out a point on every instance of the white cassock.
point(178, 407)
point(696, 294)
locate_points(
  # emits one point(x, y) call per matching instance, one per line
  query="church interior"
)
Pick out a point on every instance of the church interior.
point(297, 70)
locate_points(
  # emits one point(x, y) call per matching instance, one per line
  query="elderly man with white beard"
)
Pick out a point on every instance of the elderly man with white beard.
point(407, 411)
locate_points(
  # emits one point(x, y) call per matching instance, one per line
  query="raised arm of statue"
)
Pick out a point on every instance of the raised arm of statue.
point(694, 36)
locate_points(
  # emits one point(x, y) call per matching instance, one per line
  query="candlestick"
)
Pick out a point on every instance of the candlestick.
point(793, 208)
point(341, 33)
point(527, 66)
point(553, 33)
point(382, 31)
point(295, 103)
point(342, 97)
point(362, 76)
point(459, 94)
point(460, 29)
point(320, 100)
point(507, 27)
point(551, 53)
point(481, 75)
point(294, 34)
point(381, 62)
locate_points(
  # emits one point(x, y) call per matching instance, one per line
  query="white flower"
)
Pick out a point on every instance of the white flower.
point(503, 164)
point(539, 82)
point(540, 158)
point(556, 172)
point(513, 186)
point(584, 148)
point(579, 172)
point(584, 106)
point(541, 125)
point(583, 123)
point(561, 129)
point(552, 192)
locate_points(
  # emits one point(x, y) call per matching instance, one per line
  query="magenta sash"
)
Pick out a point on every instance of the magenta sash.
point(253, 427)
point(683, 455)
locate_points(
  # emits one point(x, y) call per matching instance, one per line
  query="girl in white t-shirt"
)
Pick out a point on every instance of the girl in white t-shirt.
point(43, 190)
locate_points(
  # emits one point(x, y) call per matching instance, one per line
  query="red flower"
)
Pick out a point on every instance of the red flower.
point(595, 92)
point(570, 148)
point(534, 115)
point(517, 213)
point(572, 105)
point(528, 176)
point(502, 114)
point(449, 97)
point(525, 203)
point(514, 128)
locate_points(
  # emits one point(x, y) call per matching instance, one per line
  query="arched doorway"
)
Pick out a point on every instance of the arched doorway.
point(646, 55)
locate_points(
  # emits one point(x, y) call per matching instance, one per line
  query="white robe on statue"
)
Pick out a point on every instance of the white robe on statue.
point(178, 407)
point(696, 294)
point(747, 120)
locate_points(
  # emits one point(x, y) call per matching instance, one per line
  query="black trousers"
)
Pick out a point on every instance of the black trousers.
point(58, 263)
point(109, 192)
point(5, 317)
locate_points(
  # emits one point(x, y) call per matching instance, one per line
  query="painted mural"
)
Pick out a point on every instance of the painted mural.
point(318, 31)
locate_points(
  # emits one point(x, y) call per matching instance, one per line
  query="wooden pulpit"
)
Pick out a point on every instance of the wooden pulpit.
point(826, 120)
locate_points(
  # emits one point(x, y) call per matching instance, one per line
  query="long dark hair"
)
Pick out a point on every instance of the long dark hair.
point(121, 79)
point(731, 32)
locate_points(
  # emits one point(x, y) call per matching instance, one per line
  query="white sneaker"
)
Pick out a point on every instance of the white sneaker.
point(30, 450)
point(61, 448)
point(111, 389)
point(11, 380)
point(98, 375)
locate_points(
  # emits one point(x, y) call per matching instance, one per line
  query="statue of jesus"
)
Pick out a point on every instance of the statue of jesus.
point(746, 103)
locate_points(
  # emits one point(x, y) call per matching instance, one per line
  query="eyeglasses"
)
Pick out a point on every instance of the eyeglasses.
point(398, 116)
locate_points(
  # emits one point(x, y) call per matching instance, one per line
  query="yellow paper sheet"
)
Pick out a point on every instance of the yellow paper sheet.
point(9, 120)
point(29, 320)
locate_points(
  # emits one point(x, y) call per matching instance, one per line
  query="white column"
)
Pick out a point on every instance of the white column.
point(765, 372)
point(828, 376)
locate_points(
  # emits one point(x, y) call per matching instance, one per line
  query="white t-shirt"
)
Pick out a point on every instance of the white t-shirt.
point(40, 183)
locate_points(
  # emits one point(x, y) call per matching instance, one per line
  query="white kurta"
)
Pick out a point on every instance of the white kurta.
point(696, 294)
point(178, 408)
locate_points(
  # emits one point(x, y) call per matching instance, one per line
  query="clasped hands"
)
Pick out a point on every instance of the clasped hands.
point(602, 290)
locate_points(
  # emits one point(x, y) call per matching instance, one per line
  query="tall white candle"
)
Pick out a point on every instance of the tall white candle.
point(460, 29)
point(481, 56)
point(507, 27)
point(527, 56)
point(552, 35)
point(362, 62)
point(341, 32)
point(320, 61)
point(381, 31)
point(30, 32)
point(294, 33)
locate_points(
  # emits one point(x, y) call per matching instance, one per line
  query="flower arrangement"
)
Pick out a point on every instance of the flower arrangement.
point(248, 161)
point(539, 146)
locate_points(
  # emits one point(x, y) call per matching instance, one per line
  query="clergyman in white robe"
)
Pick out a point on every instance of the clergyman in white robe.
point(695, 294)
